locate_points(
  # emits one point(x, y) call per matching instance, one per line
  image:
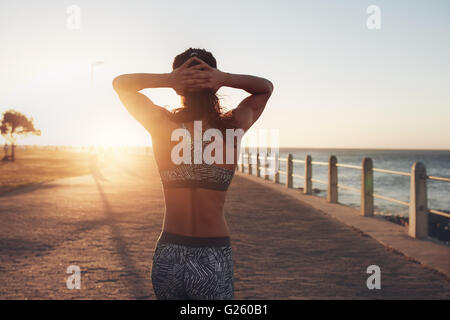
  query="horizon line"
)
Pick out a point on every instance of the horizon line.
point(242, 147)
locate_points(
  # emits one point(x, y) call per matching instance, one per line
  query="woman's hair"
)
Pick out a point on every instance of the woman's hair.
point(202, 103)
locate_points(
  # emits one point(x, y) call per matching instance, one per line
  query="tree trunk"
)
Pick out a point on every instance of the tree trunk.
point(13, 154)
point(5, 149)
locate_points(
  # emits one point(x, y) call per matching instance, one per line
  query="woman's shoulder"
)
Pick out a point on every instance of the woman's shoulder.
point(170, 117)
point(229, 120)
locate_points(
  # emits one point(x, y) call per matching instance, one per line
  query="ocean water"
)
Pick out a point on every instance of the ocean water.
point(437, 163)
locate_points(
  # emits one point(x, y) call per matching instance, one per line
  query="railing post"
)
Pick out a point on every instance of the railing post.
point(289, 171)
point(276, 173)
point(308, 175)
point(258, 165)
point(367, 188)
point(242, 162)
point(249, 158)
point(418, 208)
point(266, 167)
point(332, 180)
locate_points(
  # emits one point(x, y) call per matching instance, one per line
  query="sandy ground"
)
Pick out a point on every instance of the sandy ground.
point(107, 223)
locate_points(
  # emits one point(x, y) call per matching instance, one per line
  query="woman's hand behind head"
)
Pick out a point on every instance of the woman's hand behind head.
point(202, 76)
point(178, 75)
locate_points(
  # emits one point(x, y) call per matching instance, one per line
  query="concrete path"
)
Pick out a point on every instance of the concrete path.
point(107, 223)
point(429, 252)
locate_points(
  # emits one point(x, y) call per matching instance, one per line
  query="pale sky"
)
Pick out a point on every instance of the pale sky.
point(337, 83)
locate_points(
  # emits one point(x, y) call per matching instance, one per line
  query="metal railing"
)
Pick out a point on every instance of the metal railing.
point(418, 207)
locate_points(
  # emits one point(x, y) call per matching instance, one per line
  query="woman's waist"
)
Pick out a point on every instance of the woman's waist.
point(201, 215)
point(194, 227)
point(194, 241)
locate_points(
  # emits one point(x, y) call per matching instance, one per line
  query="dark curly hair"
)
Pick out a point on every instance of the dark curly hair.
point(199, 104)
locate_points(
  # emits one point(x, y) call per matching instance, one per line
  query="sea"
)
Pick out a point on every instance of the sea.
point(437, 163)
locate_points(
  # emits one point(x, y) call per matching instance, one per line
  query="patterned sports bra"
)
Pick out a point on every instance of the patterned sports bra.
point(206, 176)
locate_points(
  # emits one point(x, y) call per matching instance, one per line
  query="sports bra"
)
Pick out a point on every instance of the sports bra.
point(202, 175)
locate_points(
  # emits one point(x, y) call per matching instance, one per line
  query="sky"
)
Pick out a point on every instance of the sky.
point(337, 83)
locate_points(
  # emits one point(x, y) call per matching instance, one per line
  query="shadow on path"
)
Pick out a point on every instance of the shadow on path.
point(135, 281)
point(30, 188)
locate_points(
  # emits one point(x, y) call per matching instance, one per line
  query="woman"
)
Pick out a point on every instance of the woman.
point(193, 257)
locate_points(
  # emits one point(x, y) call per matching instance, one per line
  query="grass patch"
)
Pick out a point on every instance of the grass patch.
point(39, 165)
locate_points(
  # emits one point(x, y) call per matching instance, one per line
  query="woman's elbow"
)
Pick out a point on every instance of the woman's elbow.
point(116, 83)
point(270, 86)
point(120, 83)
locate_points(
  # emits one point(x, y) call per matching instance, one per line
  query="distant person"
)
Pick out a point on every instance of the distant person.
point(193, 256)
point(5, 149)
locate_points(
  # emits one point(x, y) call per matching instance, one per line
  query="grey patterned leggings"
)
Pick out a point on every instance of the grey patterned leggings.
point(192, 271)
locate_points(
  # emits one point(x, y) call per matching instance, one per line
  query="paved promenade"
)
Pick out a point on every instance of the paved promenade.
point(107, 223)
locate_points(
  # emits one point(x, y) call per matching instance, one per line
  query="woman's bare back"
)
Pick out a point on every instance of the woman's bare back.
point(191, 211)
